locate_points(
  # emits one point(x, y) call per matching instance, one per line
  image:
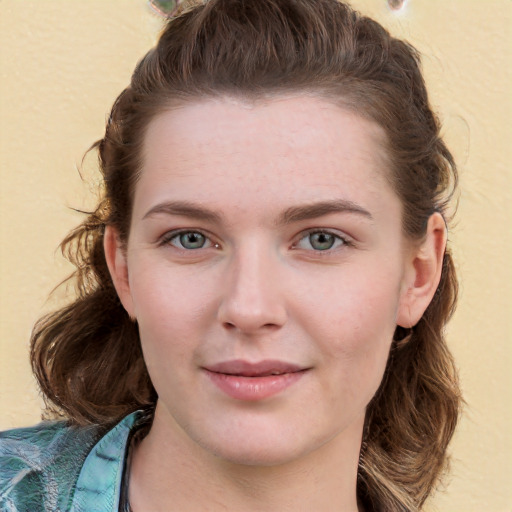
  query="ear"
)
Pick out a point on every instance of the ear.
point(423, 273)
point(115, 255)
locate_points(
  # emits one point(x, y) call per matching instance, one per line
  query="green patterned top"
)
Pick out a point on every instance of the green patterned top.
point(52, 467)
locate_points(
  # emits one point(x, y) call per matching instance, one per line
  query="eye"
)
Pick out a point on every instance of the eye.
point(188, 240)
point(320, 241)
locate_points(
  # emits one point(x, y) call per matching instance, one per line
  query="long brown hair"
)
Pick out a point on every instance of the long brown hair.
point(87, 355)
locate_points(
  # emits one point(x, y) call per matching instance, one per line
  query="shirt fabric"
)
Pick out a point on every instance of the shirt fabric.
point(52, 467)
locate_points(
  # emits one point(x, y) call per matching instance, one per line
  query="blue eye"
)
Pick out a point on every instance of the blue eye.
point(320, 241)
point(189, 240)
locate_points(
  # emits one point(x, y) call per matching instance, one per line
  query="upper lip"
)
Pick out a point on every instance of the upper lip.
point(258, 369)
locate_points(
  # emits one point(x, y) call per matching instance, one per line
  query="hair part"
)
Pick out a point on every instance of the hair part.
point(253, 51)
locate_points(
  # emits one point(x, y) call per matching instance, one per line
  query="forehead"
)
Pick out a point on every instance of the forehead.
point(283, 149)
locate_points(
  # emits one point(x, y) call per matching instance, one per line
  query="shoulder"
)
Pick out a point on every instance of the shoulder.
point(39, 465)
point(53, 467)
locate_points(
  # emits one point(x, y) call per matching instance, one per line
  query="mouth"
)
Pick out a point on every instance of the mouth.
point(247, 381)
point(259, 369)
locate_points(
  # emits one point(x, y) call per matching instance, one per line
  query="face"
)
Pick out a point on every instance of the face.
point(266, 268)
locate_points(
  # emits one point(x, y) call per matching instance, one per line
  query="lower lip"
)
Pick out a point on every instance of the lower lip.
point(253, 388)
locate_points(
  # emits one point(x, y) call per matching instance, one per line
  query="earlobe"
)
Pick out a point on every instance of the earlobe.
point(115, 255)
point(423, 273)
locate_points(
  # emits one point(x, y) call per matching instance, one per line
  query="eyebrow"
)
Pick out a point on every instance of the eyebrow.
point(312, 211)
point(184, 209)
point(290, 215)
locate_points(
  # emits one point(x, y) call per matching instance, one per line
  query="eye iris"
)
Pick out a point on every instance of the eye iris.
point(192, 240)
point(321, 241)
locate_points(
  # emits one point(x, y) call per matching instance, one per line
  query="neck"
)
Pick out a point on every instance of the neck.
point(170, 468)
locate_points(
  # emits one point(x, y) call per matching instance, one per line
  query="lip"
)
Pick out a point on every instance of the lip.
point(248, 381)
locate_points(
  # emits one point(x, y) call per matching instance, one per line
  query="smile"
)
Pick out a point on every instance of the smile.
point(246, 381)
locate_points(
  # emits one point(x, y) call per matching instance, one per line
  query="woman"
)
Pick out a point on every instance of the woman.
point(264, 286)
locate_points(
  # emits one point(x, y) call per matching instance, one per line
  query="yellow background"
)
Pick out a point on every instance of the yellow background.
point(64, 61)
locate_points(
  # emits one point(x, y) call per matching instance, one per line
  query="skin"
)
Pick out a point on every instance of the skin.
point(270, 175)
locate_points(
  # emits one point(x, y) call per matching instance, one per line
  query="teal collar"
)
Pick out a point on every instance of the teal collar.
point(98, 487)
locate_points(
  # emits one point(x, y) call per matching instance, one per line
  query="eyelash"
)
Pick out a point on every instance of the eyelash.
point(168, 237)
point(345, 241)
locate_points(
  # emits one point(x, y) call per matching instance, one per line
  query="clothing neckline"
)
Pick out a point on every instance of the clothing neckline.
point(136, 435)
point(99, 482)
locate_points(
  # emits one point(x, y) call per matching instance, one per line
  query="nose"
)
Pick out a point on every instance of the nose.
point(253, 300)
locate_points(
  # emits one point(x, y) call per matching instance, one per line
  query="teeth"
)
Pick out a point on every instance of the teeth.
point(276, 373)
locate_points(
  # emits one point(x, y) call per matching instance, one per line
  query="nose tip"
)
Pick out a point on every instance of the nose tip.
point(252, 310)
point(250, 321)
point(253, 299)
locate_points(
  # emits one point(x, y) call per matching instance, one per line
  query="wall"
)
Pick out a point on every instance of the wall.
point(62, 65)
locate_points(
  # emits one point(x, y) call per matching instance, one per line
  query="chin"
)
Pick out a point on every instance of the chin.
point(256, 453)
point(268, 445)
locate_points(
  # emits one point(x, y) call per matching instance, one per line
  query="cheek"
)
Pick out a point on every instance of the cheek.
point(359, 309)
point(164, 296)
point(166, 327)
point(355, 331)
point(164, 317)
point(175, 310)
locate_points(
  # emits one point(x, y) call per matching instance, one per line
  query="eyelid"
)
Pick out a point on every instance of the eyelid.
point(346, 239)
point(166, 238)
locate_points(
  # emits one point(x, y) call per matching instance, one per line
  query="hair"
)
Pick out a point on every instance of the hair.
point(256, 50)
